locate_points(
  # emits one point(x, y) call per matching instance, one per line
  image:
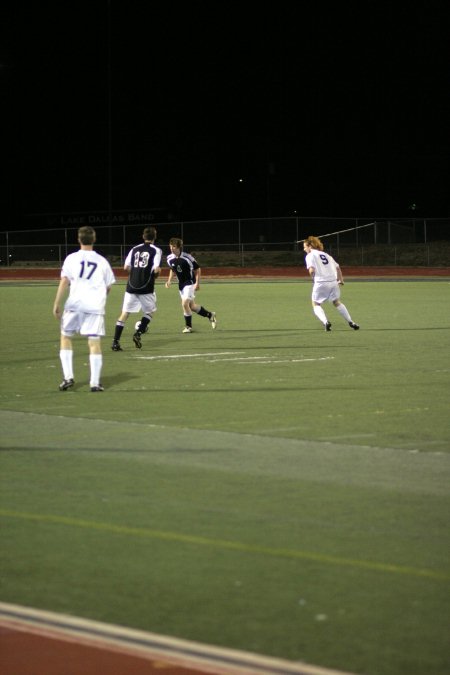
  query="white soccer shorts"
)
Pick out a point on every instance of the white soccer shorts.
point(136, 302)
point(82, 323)
point(324, 291)
point(188, 292)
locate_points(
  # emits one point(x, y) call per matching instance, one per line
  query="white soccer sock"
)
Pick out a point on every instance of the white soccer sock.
point(342, 309)
point(66, 358)
point(318, 311)
point(96, 362)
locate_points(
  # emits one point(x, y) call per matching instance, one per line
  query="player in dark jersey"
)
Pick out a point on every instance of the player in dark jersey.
point(187, 270)
point(143, 266)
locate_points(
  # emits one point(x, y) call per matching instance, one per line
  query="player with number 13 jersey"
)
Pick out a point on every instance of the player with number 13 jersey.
point(141, 262)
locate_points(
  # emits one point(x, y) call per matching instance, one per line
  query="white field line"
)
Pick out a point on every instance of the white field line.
point(270, 359)
point(183, 356)
point(241, 359)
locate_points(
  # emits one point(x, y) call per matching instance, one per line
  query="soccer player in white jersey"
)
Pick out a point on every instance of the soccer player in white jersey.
point(327, 277)
point(88, 277)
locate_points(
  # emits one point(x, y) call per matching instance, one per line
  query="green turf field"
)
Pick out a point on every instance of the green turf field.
point(266, 486)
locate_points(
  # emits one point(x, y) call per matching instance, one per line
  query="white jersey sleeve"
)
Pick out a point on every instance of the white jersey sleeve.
point(157, 259)
point(127, 262)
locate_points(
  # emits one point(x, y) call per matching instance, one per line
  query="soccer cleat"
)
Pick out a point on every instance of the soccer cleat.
point(353, 325)
point(66, 384)
point(187, 329)
point(99, 387)
point(116, 346)
point(328, 326)
point(213, 320)
point(137, 340)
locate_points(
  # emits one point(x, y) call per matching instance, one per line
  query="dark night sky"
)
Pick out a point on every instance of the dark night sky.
point(339, 110)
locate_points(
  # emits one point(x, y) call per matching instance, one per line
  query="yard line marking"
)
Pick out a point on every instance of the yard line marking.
point(258, 359)
point(183, 356)
point(254, 359)
point(245, 358)
point(163, 535)
point(271, 359)
point(320, 358)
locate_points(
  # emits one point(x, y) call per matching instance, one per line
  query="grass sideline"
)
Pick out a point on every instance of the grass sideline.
point(266, 486)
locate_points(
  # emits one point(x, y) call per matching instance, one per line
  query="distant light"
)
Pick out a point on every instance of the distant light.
point(241, 180)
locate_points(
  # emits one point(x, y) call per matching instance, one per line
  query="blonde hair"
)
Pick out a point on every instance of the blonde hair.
point(178, 243)
point(314, 242)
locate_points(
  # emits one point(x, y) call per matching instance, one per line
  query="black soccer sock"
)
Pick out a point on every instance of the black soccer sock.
point(203, 312)
point(188, 320)
point(144, 323)
point(118, 330)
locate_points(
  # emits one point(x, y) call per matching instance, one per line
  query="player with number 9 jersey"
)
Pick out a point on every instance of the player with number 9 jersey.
point(325, 267)
point(327, 277)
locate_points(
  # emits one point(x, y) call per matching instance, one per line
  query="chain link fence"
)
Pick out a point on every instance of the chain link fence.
point(250, 242)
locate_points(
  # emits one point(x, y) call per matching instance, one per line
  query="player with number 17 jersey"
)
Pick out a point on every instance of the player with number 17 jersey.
point(90, 275)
